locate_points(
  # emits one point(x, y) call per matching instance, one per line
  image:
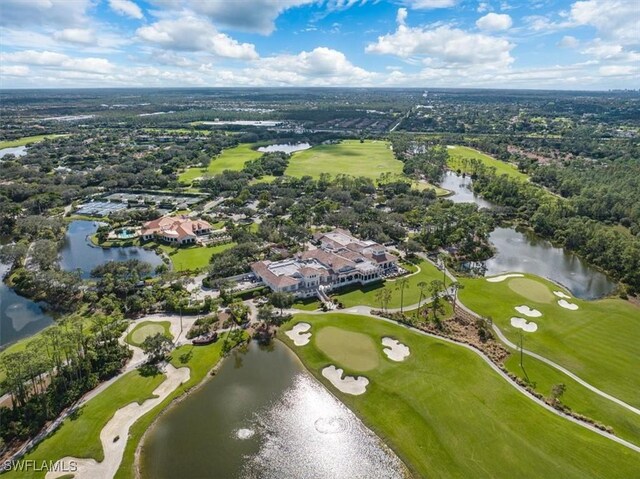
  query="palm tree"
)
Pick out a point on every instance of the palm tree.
point(442, 263)
point(423, 289)
point(401, 285)
point(455, 287)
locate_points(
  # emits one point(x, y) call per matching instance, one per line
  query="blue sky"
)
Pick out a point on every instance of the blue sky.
point(587, 44)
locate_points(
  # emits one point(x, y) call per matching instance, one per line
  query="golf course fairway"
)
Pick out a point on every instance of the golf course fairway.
point(447, 413)
point(597, 342)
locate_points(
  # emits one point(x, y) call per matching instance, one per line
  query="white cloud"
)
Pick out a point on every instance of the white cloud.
point(617, 70)
point(249, 15)
point(190, 33)
point(126, 8)
point(483, 7)
point(43, 12)
point(494, 22)
point(14, 70)
point(59, 60)
point(613, 19)
point(320, 66)
point(429, 4)
point(569, 42)
point(445, 44)
point(401, 16)
point(84, 36)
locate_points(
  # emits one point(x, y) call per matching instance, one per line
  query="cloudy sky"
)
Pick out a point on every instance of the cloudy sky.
point(587, 44)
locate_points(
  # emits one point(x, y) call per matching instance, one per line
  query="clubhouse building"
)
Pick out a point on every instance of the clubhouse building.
point(180, 230)
point(338, 260)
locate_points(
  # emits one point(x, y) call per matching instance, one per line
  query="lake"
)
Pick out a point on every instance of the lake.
point(19, 317)
point(16, 151)
point(264, 416)
point(285, 148)
point(79, 253)
point(526, 252)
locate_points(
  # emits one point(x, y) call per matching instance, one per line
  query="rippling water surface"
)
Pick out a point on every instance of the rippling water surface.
point(264, 416)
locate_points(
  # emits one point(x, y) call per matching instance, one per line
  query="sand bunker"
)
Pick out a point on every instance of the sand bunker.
point(298, 334)
point(348, 384)
point(119, 426)
point(498, 279)
point(529, 327)
point(567, 305)
point(560, 294)
point(527, 311)
point(395, 350)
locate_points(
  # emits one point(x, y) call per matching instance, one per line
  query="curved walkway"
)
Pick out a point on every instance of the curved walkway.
point(555, 365)
point(360, 311)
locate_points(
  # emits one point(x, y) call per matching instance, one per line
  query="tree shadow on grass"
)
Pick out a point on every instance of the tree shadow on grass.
point(149, 370)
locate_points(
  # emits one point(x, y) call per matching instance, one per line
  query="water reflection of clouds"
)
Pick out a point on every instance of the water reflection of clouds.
point(309, 433)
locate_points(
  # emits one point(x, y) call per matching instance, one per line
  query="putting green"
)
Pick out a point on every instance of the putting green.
point(148, 328)
point(350, 350)
point(532, 290)
point(447, 414)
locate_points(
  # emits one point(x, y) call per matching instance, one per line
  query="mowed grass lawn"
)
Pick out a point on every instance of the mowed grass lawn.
point(230, 159)
point(625, 423)
point(447, 414)
point(349, 157)
point(366, 295)
point(598, 342)
point(193, 258)
point(26, 140)
point(148, 328)
point(79, 436)
point(459, 157)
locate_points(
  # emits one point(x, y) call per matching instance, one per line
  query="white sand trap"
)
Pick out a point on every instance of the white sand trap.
point(498, 279)
point(119, 425)
point(527, 311)
point(298, 335)
point(395, 350)
point(560, 294)
point(348, 384)
point(567, 305)
point(529, 327)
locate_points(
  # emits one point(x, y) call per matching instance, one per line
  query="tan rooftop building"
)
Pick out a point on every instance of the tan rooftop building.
point(175, 229)
point(340, 260)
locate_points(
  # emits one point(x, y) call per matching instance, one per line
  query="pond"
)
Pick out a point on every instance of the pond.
point(264, 416)
point(16, 151)
point(525, 252)
point(79, 253)
point(19, 317)
point(285, 148)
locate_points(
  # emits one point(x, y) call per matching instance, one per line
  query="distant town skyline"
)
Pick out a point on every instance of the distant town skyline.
point(541, 44)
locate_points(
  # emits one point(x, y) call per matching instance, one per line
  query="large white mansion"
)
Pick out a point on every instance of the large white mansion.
point(339, 260)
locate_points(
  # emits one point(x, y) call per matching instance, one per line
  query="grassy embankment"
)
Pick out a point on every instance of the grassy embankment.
point(595, 342)
point(366, 295)
point(459, 157)
point(26, 140)
point(193, 258)
point(447, 414)
point(200, 360)
point(79, 435)
point(230, 159)
point(184, 258)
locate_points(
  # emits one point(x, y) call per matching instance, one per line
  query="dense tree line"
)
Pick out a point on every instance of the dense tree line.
point(56, 369)
point(614, 250)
